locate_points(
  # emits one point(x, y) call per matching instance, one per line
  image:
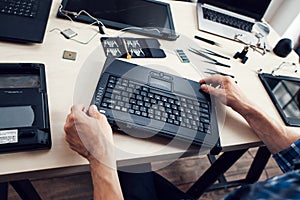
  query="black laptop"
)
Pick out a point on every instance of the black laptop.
point(24, 113)
point(143, 102)
point(24, 20)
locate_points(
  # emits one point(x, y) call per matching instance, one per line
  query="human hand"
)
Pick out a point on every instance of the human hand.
point(225, 90)
point(90, 135)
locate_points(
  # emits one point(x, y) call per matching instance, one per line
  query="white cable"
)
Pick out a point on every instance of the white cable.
point(75, 14)
point(78, 41)
point(136, 28)
point(87, 42)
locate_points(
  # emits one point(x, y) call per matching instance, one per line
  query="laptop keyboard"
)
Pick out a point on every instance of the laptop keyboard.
point(136, 99)
point(27, 8)
point(227, 20)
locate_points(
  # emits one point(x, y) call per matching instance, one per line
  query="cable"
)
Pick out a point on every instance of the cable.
point(283, 64)
point(86, 41)
point(72, 35)
point(66, 13)
point(144, 30)
point(55, 29)
point(85, 12)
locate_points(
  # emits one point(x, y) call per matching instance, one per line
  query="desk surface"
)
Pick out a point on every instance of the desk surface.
point(72, 82)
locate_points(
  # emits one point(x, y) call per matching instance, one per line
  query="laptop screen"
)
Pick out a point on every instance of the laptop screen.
point(251, 8)
point(285, 94)
point(122, 14)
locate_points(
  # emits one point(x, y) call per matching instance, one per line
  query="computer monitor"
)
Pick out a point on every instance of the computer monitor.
point(141, 16)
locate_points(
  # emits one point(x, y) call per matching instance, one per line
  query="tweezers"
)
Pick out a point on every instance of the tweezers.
point(214, 54)
point(211, 60)
point(217, 63)
point(212, 71)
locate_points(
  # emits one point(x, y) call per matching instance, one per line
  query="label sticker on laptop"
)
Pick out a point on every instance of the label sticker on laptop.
point(9, 136)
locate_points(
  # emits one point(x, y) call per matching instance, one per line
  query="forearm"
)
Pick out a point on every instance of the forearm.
point(275, 136)
point(105, 182)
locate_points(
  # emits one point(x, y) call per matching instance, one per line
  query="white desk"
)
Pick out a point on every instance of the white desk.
point(64, 76)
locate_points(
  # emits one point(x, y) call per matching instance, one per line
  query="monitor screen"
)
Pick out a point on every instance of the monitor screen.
point(285, 93)
point(251, 8)
point(124, 14)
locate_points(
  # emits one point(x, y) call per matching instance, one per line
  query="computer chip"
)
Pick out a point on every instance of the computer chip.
point(69, 55)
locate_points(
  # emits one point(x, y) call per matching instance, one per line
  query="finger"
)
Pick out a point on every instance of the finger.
point(68, 119)
point(69, 128)
point(69, 122)
point(77, 108)
point(211, 90)
point(214, 79)
point(93, 112)
point(78, 112)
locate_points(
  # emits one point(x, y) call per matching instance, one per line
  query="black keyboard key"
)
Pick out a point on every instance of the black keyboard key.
point(171, 121)
point(177, 123)
point(135, 107)
point(143, 109)
point(131, 111)
point(204, 105)
point(204, 115)
point(204, 120)
point(139, 97)
point(140, 103)
point(107, 100)
point(132, 101)
point(144, 114)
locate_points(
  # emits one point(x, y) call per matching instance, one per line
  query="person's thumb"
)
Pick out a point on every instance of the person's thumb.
point(93, 112)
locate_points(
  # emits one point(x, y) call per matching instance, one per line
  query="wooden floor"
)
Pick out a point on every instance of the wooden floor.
point(183, 173)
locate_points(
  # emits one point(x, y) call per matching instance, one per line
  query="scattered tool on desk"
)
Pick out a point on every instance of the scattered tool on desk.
point(211, 60)
point(128, 55)
point(212, 72)
point(182, 56)
point(207, 40)
point(242, 55)
point(207, 51)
